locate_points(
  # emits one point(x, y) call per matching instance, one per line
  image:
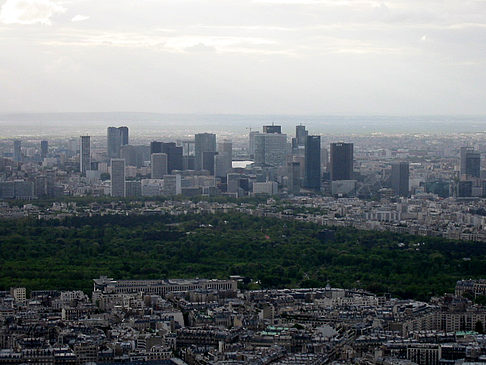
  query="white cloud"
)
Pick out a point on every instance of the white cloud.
point(29, 11)
point(79, 18)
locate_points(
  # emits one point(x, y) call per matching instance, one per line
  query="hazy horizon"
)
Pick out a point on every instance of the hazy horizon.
point(170, 125)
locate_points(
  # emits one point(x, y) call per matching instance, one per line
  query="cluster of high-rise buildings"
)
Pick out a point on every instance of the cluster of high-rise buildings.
point(273, 164)
point(266, 162)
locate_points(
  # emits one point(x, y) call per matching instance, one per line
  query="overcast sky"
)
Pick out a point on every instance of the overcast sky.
point(244, 56)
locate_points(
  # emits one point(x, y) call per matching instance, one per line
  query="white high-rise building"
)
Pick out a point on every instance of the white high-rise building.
point(85, 155)
point(158, 165)
point(118, 177)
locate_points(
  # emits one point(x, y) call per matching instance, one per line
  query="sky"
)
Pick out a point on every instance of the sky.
point(350, 57)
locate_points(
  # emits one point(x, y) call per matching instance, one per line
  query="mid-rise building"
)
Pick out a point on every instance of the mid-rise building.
point(159, 287)
point(268, 187)
point(172, 185)
point(133, 189)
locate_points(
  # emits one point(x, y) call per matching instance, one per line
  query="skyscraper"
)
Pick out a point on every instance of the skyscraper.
point(113, 142)
point(205, 142)
point(174, 156)
point(123, 135)
point(298, 143)
point(117, 177)
point(313, 163)
point(294, 177)
point(470, 163)
point(155, 147)
point(17, 151)
point(85, 155)
point(251, 143)
point(158, 165)
point(270, 149)
point(223, 160)
point(400, 178)
point(116, 137)
point(341, 161)
point(44, 149)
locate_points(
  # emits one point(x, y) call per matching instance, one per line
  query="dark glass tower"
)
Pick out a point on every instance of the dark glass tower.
point(341, 161)
point(400, 178)
point(204, 142)
point(44, 149)
point(470, 163)
point(313, 162)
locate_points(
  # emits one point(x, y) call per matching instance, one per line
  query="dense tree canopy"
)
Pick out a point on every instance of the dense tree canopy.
point(41, 254)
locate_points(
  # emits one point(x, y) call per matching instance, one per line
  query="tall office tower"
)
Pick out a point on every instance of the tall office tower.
point(44, 149)
point(188, 152)
point(113, 142)
point(470, 163)
point(123, 135)
point(301, 135)
point(155, 147)
point(294, 177)
point(85, 155)
point(224, 159)
point(174, 156)
point(251, 143)
point(158, 165)
point(205, 142)
point(129, 154)
point(271, 149)
point(118, 177)
point(272, 129)
point(17, 151)
point(312, 178)
point(298, 143)
point(341, 161)
point(400, 178)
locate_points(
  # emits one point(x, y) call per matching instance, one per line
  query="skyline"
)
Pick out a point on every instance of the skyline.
point(243, 57)
point(173, 125)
